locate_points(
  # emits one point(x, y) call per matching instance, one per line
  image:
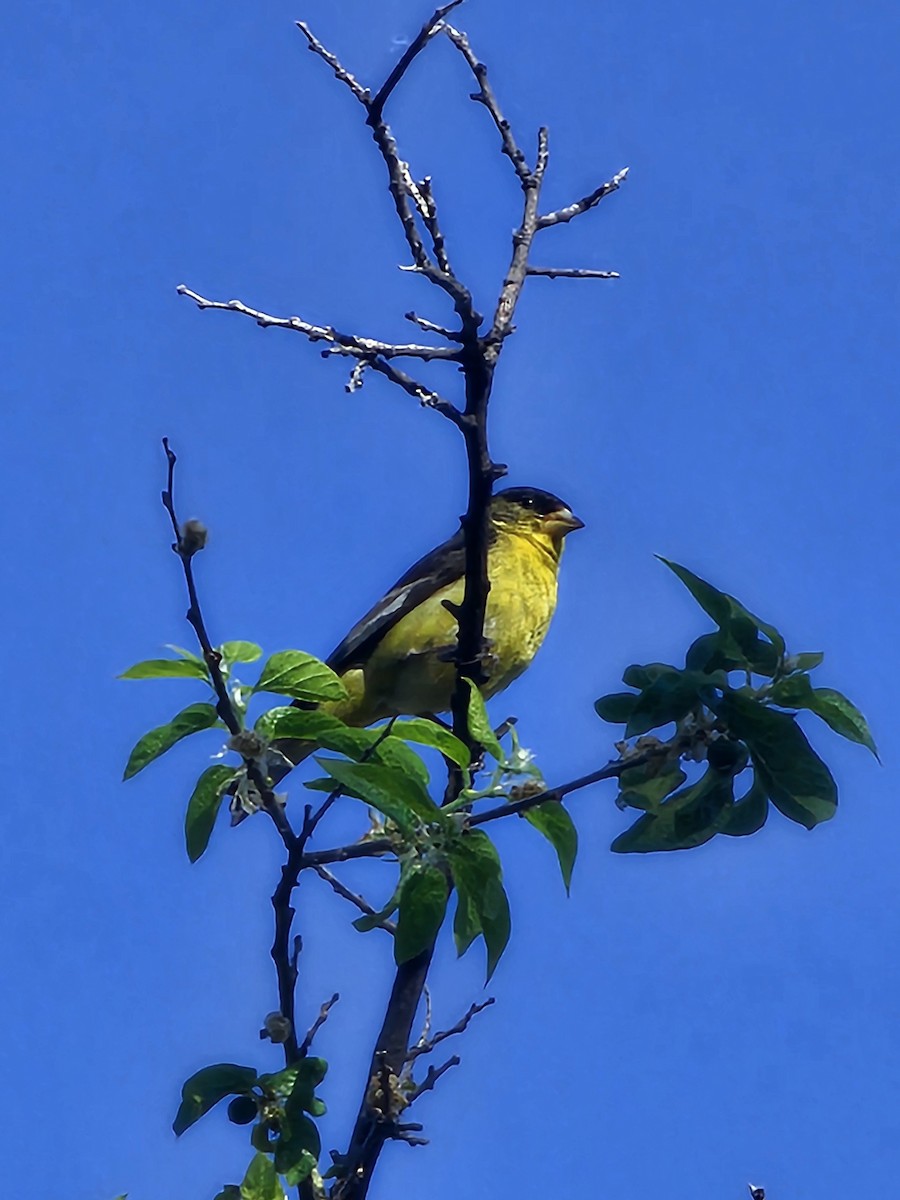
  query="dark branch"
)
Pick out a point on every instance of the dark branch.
point(431, 1078)
point(354, 898)
point(428, 1044)
point(306, 1044)
point(571, 273)
point(485, 95)
point(415, 47)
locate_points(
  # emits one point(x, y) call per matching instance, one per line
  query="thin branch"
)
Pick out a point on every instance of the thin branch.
point(433, 225)
point(317, 1024)
point(370, 849)
point(612, 770)
point(415, 47)
point(349, 344)
point(428, 1044)
point(362, 94)
point(452, 335)
point(571, 273)
point(562, 215)
point(431, 1078)
point(355, 899)
point(426, 397)
point(485, 95)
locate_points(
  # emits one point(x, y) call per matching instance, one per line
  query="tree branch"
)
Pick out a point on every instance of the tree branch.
point(354, 898)
point(571, 273)
point(428, 1044)
point(562, 215)
point(306, 1044)
point(485, 95)
point(346, 344)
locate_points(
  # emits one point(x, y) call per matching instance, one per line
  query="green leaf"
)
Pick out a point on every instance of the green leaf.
point(192, 719)
point(396, 754)
point(206, 1088)
point(243, 652)
point(423, 902)
point(429, 733)
point(300, 676)
point(748, 815)
point(261, 1181)
point(835, 709)
point(735, 620)
point(616, 708)
point(322, 729)
point(688, 819)
point(553, 821)
point(203, 808)
point(797, 781)
point(466, 923)
point(638, 676)
point(715, 652)
point(190, 654)
point(671, 696)
point(478, 877)
point(296, 1080)
point(805, 662)
point(396, 795)
point(480, 728)
point(369, 921)
point(646, 787)
point(230, 1191)
point(168, 668)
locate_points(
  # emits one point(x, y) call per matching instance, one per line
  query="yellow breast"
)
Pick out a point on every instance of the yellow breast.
point(409, 671)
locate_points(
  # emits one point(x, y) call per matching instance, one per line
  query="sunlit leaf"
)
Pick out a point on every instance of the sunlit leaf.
point(203, 807)
point(301, 676)
point(553, 821)
point(480, 728)
point(168, 668)
point(835, 709)
point(192, 719)
point(478, 877)
point(261, 1181)
point(423, 902)
point(242, 652)
point(429, 733)
point(393, 793)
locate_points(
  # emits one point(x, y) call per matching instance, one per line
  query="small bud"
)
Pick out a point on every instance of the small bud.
point(247, 743)
point(193, 537)
point(276, 1027)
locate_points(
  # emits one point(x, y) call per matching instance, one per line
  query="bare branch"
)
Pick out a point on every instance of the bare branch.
point(570, 273)
point(562, 215)
point(415, 47)
point(428, 1044)
point(430, 327)
point(522, 240)
point(349, 344)
point(355, 899)
point(431, 1078)
point(432, 224)
point(317, 1024)
point(426, 397)
point(362, 94)
point(485, 95)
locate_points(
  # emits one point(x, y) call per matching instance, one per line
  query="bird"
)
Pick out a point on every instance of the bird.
point(397, 660)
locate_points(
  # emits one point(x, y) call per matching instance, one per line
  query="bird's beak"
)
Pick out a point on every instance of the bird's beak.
point(562, 521)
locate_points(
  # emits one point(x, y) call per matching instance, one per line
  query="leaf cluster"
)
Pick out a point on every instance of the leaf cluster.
point(734, 707)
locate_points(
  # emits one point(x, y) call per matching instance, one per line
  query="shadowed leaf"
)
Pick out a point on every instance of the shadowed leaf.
point(203, 807)
point(206, 1088)
point(423, 903)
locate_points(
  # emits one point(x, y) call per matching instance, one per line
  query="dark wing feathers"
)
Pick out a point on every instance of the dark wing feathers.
point(442, 566)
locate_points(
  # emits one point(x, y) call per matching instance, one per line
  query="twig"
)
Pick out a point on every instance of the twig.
point(360, 902)
point(431, 1078)
point(317, 1024)
point(452, 335)
point(562, 215)
point(362, 94)
point(419, 42)
point(348, 344)
point(428, 1044)
point(571, 273)
point(485, 95)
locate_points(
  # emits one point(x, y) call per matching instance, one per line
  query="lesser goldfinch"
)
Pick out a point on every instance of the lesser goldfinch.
point(397, 661)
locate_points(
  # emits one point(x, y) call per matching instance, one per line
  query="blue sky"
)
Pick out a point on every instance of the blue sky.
point(682, 1023)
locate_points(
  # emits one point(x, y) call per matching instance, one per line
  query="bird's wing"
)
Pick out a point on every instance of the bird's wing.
point(441, 567)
